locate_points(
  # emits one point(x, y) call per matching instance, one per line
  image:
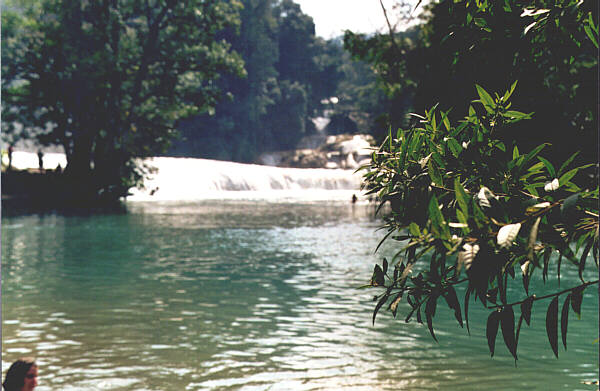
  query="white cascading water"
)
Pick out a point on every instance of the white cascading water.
point(186, 179)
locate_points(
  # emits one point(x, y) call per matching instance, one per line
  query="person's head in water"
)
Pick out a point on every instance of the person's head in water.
point(22, 375)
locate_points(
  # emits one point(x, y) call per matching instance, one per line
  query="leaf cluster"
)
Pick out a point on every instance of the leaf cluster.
point(469, 208)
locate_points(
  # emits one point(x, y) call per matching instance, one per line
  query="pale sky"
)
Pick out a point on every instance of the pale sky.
point(332, 17)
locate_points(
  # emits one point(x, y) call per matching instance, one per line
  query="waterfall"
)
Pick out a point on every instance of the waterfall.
point(186, 179)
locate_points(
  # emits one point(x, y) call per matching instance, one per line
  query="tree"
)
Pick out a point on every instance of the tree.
point(492, 44)
point(545, 47)
point(472, 209)
point(109, 80)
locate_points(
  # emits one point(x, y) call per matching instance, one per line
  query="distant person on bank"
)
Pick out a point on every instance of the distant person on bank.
point(40, 155)
point(11, 148)
point(21, 376)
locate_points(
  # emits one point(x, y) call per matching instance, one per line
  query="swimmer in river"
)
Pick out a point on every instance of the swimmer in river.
point(22, 375)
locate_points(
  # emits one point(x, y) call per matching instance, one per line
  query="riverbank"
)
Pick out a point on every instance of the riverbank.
point(45, 190)
point(25, 188)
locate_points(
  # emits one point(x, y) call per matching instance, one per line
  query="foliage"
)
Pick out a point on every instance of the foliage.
point(109, 80)
point(356, 87)
point(270, 107)
point(387, 54)
point(470, 206)
point(549, 46)
point(473, 209)
point(291, 74)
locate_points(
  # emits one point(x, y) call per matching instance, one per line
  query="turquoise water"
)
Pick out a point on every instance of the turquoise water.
point(246, 296)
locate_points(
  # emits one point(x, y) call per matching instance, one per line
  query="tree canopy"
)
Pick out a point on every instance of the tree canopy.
point(89, 64)
point(109, 80)
point(271, 107)
point(549, 48)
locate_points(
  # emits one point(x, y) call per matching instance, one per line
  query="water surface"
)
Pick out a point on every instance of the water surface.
point(245, 295)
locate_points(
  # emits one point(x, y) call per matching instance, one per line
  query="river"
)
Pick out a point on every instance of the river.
point(246, 294)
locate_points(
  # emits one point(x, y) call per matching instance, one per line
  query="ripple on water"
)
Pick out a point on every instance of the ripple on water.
point(18, 350)
point(249, 305)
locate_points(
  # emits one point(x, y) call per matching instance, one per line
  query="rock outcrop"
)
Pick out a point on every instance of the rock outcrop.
point(345, 151)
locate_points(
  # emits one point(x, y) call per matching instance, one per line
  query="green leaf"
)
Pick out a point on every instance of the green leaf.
point(434, 173)
point(547, 253)
point(535, 169)
point(567, 162)
point(438, 159)
point(430, 313)
point(404, 150)
point(467, 296)
point(486, 99)
point(472, 112)
point(446, 121)
point(461, 217)
point(576, 299)
point(549, 167)
point(507, 323)
point(461, 198)
point(533, 153)
point(583, 258)
point(438, 225)
point(552, 325)
point(517, 115)
point(455, 147)
point(526, 309)
point(395, 302)
point(410, 314)
point(591, 35)
point(391, 231)
point(569, 204)
point(452, 301)
point(491, 330)
point(380, 303)
point(515, 152)
point(478, 215)
point(414, 229)
point(378, 277)
point(509, 92)
point(567, 176)
point(591, 23)
point(564, 320)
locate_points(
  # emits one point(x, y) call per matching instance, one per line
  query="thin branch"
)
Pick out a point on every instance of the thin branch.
point(536, 298)
point(392, 33)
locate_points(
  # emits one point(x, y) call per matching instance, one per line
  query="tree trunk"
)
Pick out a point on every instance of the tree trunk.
point(78, 161)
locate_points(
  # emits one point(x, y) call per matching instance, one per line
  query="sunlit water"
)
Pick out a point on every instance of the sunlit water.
point(246, 295)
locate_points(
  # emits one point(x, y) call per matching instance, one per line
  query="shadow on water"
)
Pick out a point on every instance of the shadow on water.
point(21, 207)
